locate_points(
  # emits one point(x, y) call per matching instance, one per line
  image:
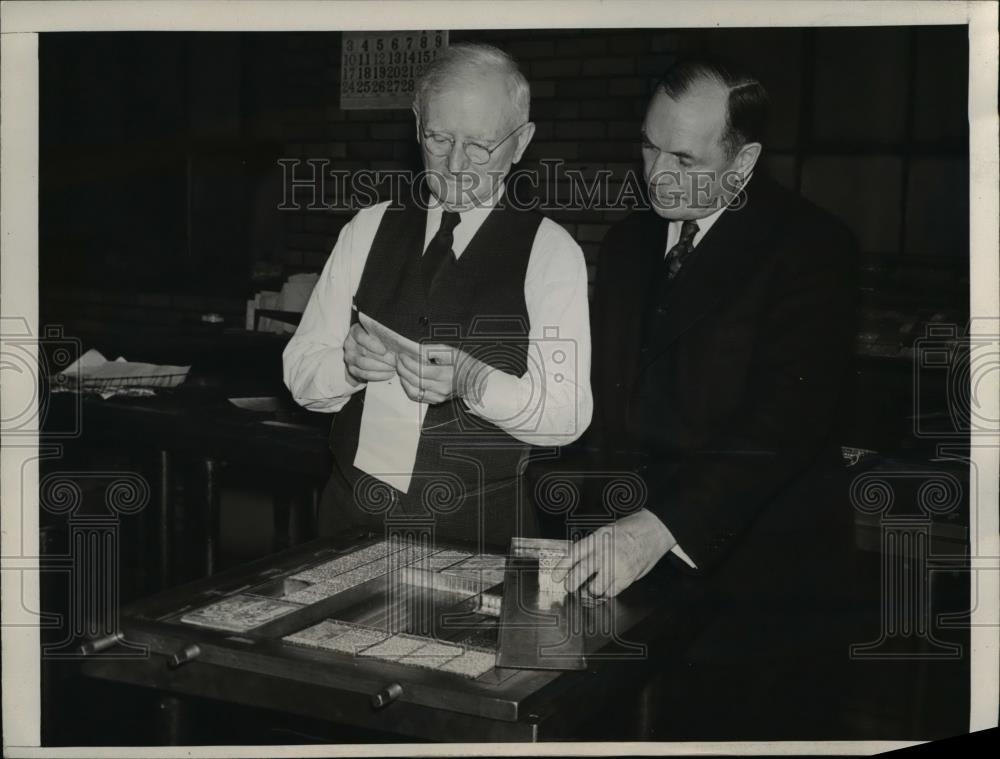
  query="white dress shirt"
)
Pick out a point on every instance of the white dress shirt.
point(551, 404)
point(674, 230)
point(705, 224)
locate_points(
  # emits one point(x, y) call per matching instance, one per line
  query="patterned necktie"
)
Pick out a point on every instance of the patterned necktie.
point(676, 256)
point(439, 250)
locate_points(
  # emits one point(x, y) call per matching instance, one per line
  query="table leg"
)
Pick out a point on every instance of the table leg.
point(211, 513)
point(166, 520)
point(647, 711)
point(171, 722)
point(282, 521)
point(294, 518)
point(310, 527)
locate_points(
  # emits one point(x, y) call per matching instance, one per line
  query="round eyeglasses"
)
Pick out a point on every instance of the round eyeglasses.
point(440, 145)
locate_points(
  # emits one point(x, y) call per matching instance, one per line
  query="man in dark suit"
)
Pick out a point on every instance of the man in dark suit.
point(722, 336)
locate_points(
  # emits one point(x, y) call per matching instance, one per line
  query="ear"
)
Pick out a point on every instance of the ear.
point(416, 124)
point(523, 140)
point(746, 159)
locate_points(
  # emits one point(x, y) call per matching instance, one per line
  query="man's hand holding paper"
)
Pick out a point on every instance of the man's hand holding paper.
point(407, 377)
point(366, 357)
point(429, 373)
point(441, 372)
point(611, 558)
point(390, 422)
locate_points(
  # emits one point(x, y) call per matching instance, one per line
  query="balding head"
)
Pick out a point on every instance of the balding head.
point(474, 65)
point(471, 108)
point(745, 98)
point(701, 138)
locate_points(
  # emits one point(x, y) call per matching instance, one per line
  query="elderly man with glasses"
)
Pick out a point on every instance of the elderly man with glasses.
point(496, 299)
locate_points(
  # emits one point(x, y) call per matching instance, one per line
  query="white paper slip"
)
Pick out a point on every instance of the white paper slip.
point(535, 547)
point(390, 434)
point(392, 340)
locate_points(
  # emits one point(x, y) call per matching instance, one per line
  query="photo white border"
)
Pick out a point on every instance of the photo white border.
point(21, 21)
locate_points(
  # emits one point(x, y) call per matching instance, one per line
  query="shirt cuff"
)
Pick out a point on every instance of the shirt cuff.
point(499, 402)
point(676, 550)
point(679, 553)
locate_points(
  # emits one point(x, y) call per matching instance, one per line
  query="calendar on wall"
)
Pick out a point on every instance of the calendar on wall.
point(380, 69)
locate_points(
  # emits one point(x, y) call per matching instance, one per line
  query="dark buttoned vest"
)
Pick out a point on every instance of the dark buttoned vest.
point(465, 480)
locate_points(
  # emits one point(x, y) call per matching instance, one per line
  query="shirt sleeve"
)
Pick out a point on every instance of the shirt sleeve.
point(679, 553)
point(551, 404)
point(313, 360)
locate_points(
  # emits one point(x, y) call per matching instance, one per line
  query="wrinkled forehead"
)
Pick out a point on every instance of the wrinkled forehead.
point(694, 122)
point(474, 104)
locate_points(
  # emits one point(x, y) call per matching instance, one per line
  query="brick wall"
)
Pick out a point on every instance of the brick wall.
point(878, 137)
point(588, 95)
point(858, 134)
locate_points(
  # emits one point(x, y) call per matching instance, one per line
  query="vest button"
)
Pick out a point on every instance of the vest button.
point(423, 321)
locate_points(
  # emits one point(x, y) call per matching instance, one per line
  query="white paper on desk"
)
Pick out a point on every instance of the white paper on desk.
point(88, 360)
point(390, 434)
point(93, 371)
point(93, 366)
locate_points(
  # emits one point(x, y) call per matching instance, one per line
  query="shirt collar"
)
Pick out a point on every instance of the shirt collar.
point(471, 219)
point(479, 211)
point(469, 223)
point(705, 223)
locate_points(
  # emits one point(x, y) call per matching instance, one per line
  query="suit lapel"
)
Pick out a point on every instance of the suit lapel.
point(719, 265)
point(628, 296)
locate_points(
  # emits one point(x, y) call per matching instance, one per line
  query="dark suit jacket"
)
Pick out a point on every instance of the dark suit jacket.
point(721, 388)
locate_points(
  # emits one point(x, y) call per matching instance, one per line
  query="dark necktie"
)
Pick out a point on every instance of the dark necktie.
point(676, 256)
point(439, 250)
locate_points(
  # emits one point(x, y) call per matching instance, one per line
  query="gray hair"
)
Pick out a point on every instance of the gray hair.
point(466, 60)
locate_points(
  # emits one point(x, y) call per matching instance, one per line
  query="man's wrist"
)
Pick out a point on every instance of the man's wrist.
point(659, 535)
point(471, 378)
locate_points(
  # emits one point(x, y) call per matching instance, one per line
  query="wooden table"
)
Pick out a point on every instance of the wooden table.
point(259, 669)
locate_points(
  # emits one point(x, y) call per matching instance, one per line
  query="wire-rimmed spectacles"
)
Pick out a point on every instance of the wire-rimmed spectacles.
point(440, 145)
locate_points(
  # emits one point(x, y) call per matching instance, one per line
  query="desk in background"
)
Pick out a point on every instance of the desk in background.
point(182, 439)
